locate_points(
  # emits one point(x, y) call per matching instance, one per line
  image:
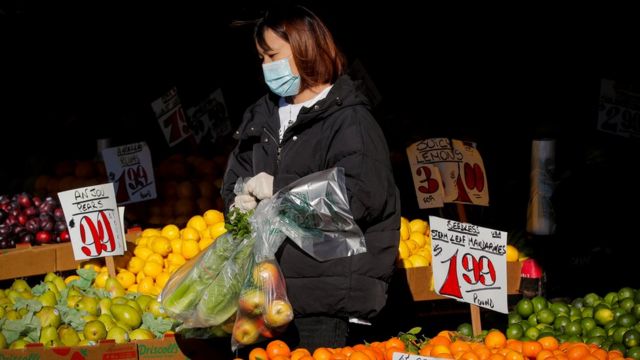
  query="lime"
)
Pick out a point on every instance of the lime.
point(618, 346)
point(544, 327)
point(601, 305)
point(626, 293)
point(539, 303)
point(597, 340)
point(606, 344)
point(574, 311)
point(596, 331)
point(635, 310)
point(603, 316)
point(545, 316)
point(637, 326)
point(592, 299)
point(636, 298)
point(627, 304)
point(611, 298)
point(532, 333)
point(611, 325)
point(631, 338)
point(578, 302)
point(561, 322)
point(525, 338)
point(617, 312)
point(562, 338)
point(587, 312)
point(559, 308)
point(546, 333)
point(514, 318)
point(514, 331)
point(574, 338)
point(525, 325)
point(627, 320)
point(573, 328)
point(465, 329)
point(524, 307)
point(634, 352)
point(587, 324)
point(619, 333)
point(533, 319)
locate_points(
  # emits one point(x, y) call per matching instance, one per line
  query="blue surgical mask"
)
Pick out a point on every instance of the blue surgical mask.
point(280, 79)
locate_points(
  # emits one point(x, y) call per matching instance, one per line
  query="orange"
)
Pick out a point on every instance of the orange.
point(514, 355)
point(440, 349)
point(469, 355)
point(531, 348)
point(440, 340)
point(322, 353)
point(425, 350)
point(277, 347)
point(515, 345)
point(356, 355)
point(600, 354)
point(394, 342)
point(548, 343)
point(543, 354)
point(459, 346)
point(576, 352)
point(299, 353)
point(258, 354)
point(482, 352)
point(388, 353)
point(496, 357)
point(495, 339)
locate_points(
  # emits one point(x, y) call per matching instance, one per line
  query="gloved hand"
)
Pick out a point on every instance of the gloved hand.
point(261, 186)
point(244, 202)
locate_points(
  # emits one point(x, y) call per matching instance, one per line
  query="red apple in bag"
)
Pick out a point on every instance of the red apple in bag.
point(251, 302)
point(245, 331)
point(279, 313)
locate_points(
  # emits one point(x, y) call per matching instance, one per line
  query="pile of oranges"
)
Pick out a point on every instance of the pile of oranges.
point(495, 346)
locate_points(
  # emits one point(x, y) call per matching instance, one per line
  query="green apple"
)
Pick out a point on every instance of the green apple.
point(94, 330)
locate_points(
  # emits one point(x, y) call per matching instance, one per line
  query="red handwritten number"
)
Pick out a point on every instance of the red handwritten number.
point(122, 195)
point(479, 269)
point(473, 176)
point(95, 240)
point(432, 184)
point(174, 123)
point(451, 286)
point(136, 178)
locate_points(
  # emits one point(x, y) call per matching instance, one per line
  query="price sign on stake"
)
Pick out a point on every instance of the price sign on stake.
point(469, 263)
point(130, 169)
point(93, 221)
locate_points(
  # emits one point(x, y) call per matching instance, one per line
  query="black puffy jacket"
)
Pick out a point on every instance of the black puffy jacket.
point(338, 131)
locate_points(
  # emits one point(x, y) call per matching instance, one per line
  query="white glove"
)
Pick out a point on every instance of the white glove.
point(244, 202)
point(261, 186)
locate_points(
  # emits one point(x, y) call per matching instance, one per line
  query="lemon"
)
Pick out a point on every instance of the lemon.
point(140, 276)
point(189, 233)
point(403, 250)
point(160, 245)
point(176, 246)
point(133, 288)
point(143, 241)
point(216, 230)
point(101, 279)
point(404, 228)
point(425, 252)
point(418, 238)
point(162, 278)
point(197, 222)
point(176, 259)
point(142, 252)
point(152, 269)
point(404, 263)
point(204, 243)
point(126, 278)
point(412, 245)
point(151, 232)
point(190, 249)
point(212, 217)
point(155, 258)
point(171, 231)
point(419, 260)
point(135, 265)
point(418, 225)
point(512, 253)
point(146, 286)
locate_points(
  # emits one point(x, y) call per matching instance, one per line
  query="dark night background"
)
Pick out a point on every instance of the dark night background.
point(501, 76)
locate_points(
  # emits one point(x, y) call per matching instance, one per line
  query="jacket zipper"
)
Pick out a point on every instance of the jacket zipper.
point(278, 144)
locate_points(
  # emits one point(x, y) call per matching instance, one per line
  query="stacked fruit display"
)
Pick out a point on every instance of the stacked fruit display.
point(610, 322)
point(31, 220)
point(160, 252)
point(70, 312)
point(415, 243)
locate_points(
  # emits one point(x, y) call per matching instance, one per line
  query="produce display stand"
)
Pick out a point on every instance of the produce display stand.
point(30, 260)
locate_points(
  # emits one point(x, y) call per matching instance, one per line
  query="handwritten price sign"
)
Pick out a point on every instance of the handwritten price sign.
point(93, 221)
point(130, 169)
point(171, 117)
point(469, 263)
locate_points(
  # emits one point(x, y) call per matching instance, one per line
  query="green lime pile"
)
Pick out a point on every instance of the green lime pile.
point(610, 322)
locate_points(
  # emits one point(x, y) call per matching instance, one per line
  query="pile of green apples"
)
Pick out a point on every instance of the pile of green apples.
point(55, 313)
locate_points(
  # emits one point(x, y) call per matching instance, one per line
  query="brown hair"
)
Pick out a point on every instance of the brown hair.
point(315, 53)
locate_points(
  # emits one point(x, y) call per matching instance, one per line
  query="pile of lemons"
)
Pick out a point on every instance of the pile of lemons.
point(415, 243)
point(160, 252)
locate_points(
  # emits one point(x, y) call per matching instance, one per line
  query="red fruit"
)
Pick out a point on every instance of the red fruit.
point(64, 236)
point(43, 237)
point(24, 200)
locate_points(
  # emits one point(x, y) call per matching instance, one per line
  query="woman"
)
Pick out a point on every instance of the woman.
point(315, 119)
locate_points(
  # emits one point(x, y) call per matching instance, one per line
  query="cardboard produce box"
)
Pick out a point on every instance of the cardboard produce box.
point(419, 281)
point(166, 349)
point(36, 260)
point(107, 350)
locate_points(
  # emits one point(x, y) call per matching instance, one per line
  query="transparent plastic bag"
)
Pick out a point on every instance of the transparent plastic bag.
point(314, 213)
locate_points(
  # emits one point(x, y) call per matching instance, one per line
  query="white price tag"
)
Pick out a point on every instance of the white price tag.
point(130, 169)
